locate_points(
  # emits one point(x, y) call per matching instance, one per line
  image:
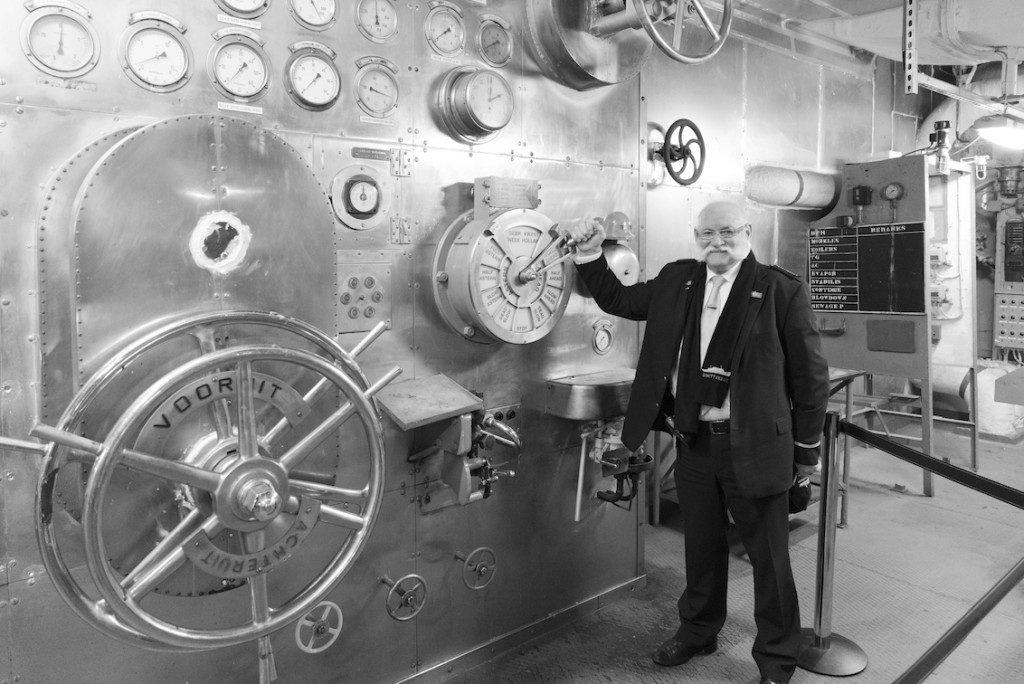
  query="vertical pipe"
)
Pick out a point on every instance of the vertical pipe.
point(823, 586)
point(824, 651)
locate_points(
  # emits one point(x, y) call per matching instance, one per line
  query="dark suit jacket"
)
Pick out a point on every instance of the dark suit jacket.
point(779, 383)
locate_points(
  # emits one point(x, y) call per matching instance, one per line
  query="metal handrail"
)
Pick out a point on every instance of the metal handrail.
point(945, 645)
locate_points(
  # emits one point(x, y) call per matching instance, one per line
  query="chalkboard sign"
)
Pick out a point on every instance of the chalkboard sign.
point(871, 268)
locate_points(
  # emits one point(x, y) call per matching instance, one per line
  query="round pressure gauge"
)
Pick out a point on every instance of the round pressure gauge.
point(475, 103)
point(376, 89)
point(238, 67)
point(60, 41)
point(313, 80)
point(494, 41)
point(155, 56)
point(377, 19)
point(446, 32)
point(892, 192)
point(246, 9)
point(361, 196)
point(316, 15)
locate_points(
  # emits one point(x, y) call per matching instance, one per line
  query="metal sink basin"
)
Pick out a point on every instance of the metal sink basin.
point(588, 396)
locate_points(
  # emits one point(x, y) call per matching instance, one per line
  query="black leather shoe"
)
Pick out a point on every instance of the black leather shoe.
point(673, 653)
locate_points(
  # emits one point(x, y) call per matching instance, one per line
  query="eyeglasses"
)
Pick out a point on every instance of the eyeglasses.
point(727, 233)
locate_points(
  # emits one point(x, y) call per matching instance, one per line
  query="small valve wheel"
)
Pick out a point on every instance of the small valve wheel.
point(683, 151)
point(319, 628)
point(407, 596)
point(478, 568)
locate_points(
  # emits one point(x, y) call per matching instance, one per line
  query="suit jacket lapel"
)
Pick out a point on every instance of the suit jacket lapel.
point(755, 299)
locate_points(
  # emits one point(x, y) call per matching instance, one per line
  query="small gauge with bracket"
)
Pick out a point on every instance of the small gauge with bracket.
point(494, 40)
point(237, 64)
point(313, 79)
point(361, 196)
point(376, 86)
point(316, 15)
point(474, 103)
point(445, 28)
point(244, 9)
point(377, 19)
point(59, 39)
point(893, 192)
point(154, 53)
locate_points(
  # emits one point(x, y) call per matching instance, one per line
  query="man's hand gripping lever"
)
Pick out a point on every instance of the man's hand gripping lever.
point(638, 462)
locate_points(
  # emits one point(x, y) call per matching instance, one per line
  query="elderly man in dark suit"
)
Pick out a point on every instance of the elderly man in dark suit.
point(731, 364)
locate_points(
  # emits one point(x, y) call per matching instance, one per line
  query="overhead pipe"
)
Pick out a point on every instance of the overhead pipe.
point(790, 188)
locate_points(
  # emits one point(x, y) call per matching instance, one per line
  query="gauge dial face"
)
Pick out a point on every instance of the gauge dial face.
point(241, 70)
point(61, 43)
point(489, 100)
point(363, 197)
point(248, 8)
point(377, 19)
point(157, 57)
point(313, 80)
point(315, 14)
point(507, 279)
point(446, 32)
point(892, 191)
point(376, 90)
point(495, 43)
point(517, 296)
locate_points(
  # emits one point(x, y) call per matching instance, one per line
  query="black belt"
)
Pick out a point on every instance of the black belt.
point(714, 427)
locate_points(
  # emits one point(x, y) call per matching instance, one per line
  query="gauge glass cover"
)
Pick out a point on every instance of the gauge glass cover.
point(244, 6)
point(157, 57)
point(314, 80)
point(240, 70)
point(315, 14)
point(62, 43)
point(376, 91)
point(446, 32)
point(377, 19)
point(495, 43)
point(489, 100)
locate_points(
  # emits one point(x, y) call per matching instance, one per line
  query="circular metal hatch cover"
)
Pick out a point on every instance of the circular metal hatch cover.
point(198, 213)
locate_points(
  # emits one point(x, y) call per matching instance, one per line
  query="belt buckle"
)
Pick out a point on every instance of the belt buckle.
point(719, 427)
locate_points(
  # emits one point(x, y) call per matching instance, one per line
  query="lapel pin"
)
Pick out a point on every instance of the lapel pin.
point(756, 295)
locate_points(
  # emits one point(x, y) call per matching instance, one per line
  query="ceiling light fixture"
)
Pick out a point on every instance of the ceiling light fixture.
point(999, 130)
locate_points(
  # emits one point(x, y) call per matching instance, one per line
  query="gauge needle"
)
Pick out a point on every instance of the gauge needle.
point(374, 90)
point(490, 45)
point(494, 98)
point(318, 75)
point(316, 9)
point(162, 55)
point(376, 12)
point(245, 65)
point(60, 40)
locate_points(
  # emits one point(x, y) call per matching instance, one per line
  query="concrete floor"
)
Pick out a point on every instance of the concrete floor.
point(907, 567)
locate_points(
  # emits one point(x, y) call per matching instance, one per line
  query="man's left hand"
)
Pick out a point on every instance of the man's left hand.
point(805, 470)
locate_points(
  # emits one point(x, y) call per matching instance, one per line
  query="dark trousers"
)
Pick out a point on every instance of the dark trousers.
point(706, 487)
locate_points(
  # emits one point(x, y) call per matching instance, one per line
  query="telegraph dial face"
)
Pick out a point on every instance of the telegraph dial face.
point(503, 279)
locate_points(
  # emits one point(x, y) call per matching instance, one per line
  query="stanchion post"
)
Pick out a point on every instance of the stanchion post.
point(823, 651)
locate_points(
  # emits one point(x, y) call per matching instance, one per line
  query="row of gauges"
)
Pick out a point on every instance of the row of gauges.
point(59, 39)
